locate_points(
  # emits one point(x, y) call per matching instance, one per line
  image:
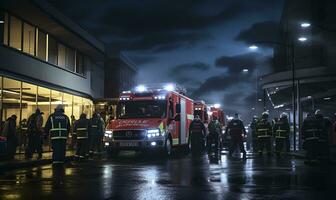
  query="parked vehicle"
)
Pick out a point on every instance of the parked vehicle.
point(150, 119)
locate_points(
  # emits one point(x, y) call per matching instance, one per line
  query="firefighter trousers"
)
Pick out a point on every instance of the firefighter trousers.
point(196, 143)
point(279, 144)
point(312, 150)
point(59, 149)
point(82, 147)
point(264, 143)
point(34, 145)
point(95, 143)
point(213, 138)
point(237, 143)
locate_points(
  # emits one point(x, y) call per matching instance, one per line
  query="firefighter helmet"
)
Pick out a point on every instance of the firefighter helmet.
point(283, 116)
point(265, 115)
point(59, 107)
point(318, 112)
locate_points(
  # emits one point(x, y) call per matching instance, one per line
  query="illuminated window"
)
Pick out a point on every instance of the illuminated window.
point(67, 103)
point(29, 35)
point(56, 99)
point(15, 33)
point(29, 105)
point(87, 107)
point(61, 55)
point(43, 102)
point(52, 50)
point(11, 98)
point(77, 106)
point(41, 45)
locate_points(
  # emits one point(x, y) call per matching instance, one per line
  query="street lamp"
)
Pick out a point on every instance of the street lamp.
point(253, 47)
point(305, 25)
point(302, 39)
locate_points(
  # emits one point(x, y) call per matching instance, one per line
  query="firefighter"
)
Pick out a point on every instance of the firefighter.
point(323, 127)
point(310, 137)
point(214, 130)
point(10, 133)
point(197, 132)
point(35, 134)
point(281, 131)
point(237, 131)
point(95, 133)
point(264, 132)
point(253, 127)
point(58, 126)
point(81, 128)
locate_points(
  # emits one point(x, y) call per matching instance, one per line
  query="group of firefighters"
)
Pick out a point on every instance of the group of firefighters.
point(317, 132)
point(88, 134)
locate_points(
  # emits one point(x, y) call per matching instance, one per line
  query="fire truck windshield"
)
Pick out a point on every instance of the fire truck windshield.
point(141, 109)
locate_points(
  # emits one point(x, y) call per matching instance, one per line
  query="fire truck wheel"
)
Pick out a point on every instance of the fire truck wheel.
point(168, 147)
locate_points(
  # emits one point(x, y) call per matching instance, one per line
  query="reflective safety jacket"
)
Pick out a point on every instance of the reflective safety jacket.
point(81, 128)
point(96, 127)
point(235, 129)
point(197, 126)
point(324, 127)
point(214, 127)
point(57, 126)
point(281, 129)
point(264, 129)
point(310, 129)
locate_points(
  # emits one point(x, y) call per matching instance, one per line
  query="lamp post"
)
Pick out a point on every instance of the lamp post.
point(291, 46)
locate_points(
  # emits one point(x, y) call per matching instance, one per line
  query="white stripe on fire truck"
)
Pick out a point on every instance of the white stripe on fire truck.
point(175, 141)
point(191, 117)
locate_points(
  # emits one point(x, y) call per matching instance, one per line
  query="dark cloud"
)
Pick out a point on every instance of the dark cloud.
point(243, 61)
point(159, 26)
point(140, 60)
point(163, 41)
point(264, 32)
point(188, 67)
point(215, 83)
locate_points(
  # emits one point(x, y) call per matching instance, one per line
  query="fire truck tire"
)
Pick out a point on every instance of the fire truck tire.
point(168, 147)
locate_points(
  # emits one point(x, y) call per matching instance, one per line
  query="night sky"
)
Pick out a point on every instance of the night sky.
point(200, 44)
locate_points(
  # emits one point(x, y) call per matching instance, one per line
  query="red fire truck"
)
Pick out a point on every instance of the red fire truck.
point(150, 119)
point(201, 109)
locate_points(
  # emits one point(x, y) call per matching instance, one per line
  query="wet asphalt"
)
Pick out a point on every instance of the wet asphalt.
point(139, 176)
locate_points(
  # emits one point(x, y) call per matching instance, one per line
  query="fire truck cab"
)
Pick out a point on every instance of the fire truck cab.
point(150, 119)
point(201, 109)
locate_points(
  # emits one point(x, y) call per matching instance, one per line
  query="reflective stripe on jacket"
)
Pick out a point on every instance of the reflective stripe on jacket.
point(58, 127)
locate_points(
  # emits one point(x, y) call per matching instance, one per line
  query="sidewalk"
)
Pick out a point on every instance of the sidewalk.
point(21, 162)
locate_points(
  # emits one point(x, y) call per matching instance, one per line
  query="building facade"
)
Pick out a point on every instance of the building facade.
point(120, 75)
point(46, 60)
point(308, 38)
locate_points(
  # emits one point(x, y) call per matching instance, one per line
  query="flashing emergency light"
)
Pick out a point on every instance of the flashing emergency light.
point(217, 105)
point(169, 87)
point(141, 88)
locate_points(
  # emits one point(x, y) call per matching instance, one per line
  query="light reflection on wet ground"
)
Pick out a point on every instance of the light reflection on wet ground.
point(136, 176)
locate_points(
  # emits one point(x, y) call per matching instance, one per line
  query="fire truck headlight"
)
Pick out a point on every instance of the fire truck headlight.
point(153, 133)
point(108, 134)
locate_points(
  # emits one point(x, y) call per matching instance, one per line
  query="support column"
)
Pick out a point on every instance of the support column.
point(299, 113)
